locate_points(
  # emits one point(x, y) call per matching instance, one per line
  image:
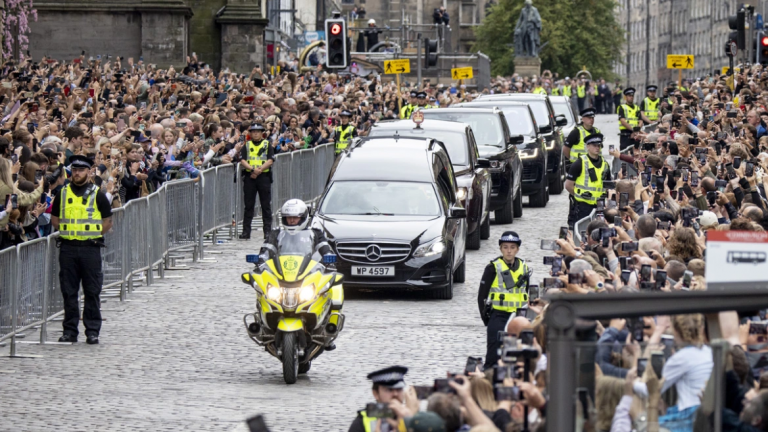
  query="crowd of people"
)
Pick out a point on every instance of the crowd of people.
point(701, 170)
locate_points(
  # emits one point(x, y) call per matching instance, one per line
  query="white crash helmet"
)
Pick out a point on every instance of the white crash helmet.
point(371, 21)
point(294, 208)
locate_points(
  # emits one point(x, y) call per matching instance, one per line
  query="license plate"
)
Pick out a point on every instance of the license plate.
point(373, 271)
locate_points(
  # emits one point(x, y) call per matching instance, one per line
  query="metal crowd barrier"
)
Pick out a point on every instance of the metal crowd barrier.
point(144, 231)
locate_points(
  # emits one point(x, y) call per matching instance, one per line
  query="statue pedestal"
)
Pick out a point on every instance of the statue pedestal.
point(528, 66)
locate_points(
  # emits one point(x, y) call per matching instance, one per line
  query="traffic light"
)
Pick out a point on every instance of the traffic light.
point(336, 43)
point(762, 47)
point(430, 53)
point(738, 23)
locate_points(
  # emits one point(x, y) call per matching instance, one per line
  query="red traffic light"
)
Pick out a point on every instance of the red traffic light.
point(335, 29)
point(764, 41)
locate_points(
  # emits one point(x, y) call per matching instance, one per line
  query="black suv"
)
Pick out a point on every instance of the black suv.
point(549, 125)
point(531, 146)
point(474, 182)
point(391, 212)
point(498, 153)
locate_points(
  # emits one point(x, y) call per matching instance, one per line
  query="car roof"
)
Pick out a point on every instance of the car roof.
point(562, 99)
point(474, 104)
point(452, 126)
point(457, 108)
point(513, 96)
point(374, 159)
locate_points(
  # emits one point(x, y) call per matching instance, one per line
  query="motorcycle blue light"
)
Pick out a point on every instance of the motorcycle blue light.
point(329, 259)
point(252, 258)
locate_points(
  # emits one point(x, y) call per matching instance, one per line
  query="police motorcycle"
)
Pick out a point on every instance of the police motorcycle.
point(299, 295)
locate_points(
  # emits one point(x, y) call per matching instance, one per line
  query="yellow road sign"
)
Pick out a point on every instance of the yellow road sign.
point(724, 70)
point(397, 66)
point(462, 73)
point(679, 61)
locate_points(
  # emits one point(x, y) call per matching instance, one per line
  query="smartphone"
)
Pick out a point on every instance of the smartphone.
point(623, 200)
point(611, 148)
point(14, 201)
point(424, 392)
point(624, 262)
point(749, 169)
point(731, 114)
point(645, 273)
point(660, 183)
point(180, 124)
point(564, 233)
point(644, 179)
point(583, 236)
point(687, 279)
point(629, 246)
point(601, 205)
point(552, 283)
point(38, 176)
point(721, 185)
point(657, 363)
point(661, 279)
point(757, 328)
point(533, 293)
point(663, 225)
point(382, 410)
point(694, 179)
point(736, 162)
point(256, 424)
point(472, 364)
point(549, 245)
point(501, 393)
point(549, 260)
point(625, 274)
point(711, 197)
point(731, 172)
point(617, 221)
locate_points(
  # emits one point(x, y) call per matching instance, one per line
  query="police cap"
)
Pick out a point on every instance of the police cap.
point(629, 91)
point(421, 94)
point(391, 377)
point(257, 127)
point(588, 112)
point(651, 88)
point(345, 113)
point(414, 93)
point(510, 237)
point(594, 139)
point(79, 161)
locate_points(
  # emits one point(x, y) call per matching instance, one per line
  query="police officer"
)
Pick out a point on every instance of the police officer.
point(257, 158)
point(574, 144)
point(407, 109)
point(503, 290)
point(388, 385)
point(629, 118)
point(421, 101)
point(344, 132)
point(82, 214)
point(584, 180)
point(650, 105)
point(539, 88)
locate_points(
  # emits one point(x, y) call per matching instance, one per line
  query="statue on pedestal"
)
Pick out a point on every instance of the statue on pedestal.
point(527, 41)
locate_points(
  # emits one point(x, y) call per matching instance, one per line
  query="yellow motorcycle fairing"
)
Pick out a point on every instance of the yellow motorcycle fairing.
point(318, 304)
point(290, 324)
point(290, 264)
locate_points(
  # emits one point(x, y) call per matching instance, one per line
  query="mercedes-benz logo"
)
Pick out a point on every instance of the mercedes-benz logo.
point(373, 252)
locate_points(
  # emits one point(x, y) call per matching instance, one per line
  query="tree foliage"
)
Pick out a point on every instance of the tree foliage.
point(16, 11)
point(577, 33)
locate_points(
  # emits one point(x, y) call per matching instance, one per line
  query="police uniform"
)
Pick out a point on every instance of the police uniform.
point(503, 291)
point(407, 109)
point(575, 140)
point(82, 210)
point(391, 377)
point(650, 107)
point(343, 134)
point(539, 90)
point(581, 95)
point(257, 154)
point(631, 113)
point(421, 96)
point(588, 175)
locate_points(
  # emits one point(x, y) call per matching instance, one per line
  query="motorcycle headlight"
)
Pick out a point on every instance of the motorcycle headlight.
point(307, 293)
point(430, 249)
point(274, 293)
point(529, 153)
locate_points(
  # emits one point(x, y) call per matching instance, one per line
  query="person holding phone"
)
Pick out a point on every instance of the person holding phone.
point(82, 214)
point(584, 181)
point(503, 292)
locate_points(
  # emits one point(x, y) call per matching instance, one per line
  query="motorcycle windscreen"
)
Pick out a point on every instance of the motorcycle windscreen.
point(294, 252)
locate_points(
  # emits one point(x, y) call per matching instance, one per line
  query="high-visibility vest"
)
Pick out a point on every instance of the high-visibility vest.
point(631, 114)
point(406, 111)
point(683, 89)
point(539, 90)
point(513, 297)
point(652, 108)
point(581, 148)
point(257, 154)
point(79, 218)
point(567, 91)
point(369, 423)
point(343, 134)
point(556, 91)
point(581, 91)
point(585, 189)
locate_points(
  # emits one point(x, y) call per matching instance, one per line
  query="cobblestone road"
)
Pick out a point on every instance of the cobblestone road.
point(178, 358)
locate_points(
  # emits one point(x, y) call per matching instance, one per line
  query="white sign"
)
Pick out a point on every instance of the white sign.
point(312, 36)
point(737, 258)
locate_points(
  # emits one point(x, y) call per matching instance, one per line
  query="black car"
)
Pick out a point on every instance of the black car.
point(549, 125)
point(391, 212)
point(498, 153)
point(474, 182)
point(531, 147)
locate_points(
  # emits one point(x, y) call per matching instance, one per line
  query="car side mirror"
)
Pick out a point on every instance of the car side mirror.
point(458, 213)
point(561, 120)
point(516, 139)
point(483, 163)
point(247, 279)
point(545, 129)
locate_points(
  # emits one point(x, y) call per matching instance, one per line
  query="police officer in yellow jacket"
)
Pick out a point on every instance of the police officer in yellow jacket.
point(574, 143)
point(630, 117)
point(503, 292)
point(82, 213)
point(407, 109)
point(388, 389)
point(650, 106)
point(585, 178)
point(257, 156)
point(344, 133)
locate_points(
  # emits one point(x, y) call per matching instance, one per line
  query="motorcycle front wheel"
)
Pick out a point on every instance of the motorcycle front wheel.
point(290, 357)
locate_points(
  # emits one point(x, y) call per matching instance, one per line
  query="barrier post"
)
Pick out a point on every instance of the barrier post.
point(47, 281)
point(15, 303)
